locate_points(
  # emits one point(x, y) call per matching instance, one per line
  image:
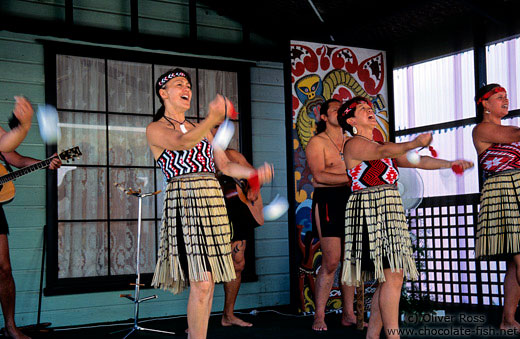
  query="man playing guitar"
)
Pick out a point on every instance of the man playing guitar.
point(244, 208)
point(23, 113)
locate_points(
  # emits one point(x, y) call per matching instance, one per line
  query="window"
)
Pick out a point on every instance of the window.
point(438, 96)
point(503, 67)
point(105, 100)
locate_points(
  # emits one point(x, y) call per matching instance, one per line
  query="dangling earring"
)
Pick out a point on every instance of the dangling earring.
point(354, 130)
point(486, 111)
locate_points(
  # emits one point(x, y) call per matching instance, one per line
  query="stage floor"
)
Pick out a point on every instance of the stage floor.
point(280, 323)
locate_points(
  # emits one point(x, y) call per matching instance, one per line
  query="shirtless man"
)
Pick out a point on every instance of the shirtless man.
point(331, 191)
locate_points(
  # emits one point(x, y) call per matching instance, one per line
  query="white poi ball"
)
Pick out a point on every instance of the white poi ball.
point(48, 122)
point(224, 135)
point(413, 157)
point(276, 208)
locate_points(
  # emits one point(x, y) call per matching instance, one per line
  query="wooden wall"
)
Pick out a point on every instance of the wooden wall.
point(22, 73)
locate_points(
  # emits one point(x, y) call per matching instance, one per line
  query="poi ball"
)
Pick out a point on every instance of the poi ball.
point(457, 169)
point(276, 208)
point(400, 188)
point(233, 114)
point(433, 151)
point(48, 121)
point(224, 135)
point(413, 157)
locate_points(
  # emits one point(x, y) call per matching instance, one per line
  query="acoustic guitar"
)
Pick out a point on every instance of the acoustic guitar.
point(7, 190)
point(238, 189)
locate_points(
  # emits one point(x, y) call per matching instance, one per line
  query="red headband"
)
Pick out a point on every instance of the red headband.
point(353, 105)
point(490, 93)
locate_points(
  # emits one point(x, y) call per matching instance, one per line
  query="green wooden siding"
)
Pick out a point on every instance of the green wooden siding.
point(22, 73)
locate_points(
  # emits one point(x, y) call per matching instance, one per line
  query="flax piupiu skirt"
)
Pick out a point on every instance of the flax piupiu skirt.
point(376, 236)
point(498, 230)
point(195, 234)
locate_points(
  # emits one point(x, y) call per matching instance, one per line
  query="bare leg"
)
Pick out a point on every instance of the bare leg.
point(199, 307)
point(511, 296)
point(231, 288)
point(331, 253)
point(7, 291)
point(375, 323)
point(387, 312)
point(348, 317)
point(516, 261)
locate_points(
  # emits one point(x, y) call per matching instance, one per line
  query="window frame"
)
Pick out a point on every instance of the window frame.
point(59, 286)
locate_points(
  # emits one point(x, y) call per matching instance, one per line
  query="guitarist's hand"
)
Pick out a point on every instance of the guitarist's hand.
point(265, 173)
point(55, 163)
point(252, 195)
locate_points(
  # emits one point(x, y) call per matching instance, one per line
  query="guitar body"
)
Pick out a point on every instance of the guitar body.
point(233, 190)
point(255, 206)
point(7, 190)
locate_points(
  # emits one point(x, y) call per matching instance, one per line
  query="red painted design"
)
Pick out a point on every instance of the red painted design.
point(324, 57)
point(342, 94)
point(303, 58)
point(345, 58)
point(295, 103)
point(371, 72)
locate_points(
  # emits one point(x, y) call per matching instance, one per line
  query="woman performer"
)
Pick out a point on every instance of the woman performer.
point(498, 234)
point(377, 241)
point(195, 233)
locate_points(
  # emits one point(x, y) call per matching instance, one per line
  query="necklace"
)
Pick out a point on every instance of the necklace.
point(342, 144)
point(359, 135)
point(181, 124)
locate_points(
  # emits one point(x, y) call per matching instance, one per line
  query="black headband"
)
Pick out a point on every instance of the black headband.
point(173, 74)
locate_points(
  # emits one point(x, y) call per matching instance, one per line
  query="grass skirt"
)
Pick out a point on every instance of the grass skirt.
point(195, 234)
point(498, 231)
point(379, 209)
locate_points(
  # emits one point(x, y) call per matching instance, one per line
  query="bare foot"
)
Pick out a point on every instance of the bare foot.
point(505, 325)
point(348, 320)
point(319, 324)
point(15, 333)
point(234, 321)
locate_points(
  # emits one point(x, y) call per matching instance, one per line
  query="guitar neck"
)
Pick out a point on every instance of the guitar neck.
point(28, 169)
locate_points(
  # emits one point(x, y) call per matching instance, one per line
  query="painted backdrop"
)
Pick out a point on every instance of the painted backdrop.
point(320, 72)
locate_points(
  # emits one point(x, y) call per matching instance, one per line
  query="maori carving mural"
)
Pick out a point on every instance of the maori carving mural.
point(320, 72)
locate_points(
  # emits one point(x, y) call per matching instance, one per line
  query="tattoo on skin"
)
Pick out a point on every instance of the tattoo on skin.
point(238, 246)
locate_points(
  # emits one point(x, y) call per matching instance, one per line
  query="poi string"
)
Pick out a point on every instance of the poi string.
point(457, 169)
point(414, 158)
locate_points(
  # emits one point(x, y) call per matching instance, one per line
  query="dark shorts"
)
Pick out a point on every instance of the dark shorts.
point(241, 219)
point(4, 228)
point(331, 202)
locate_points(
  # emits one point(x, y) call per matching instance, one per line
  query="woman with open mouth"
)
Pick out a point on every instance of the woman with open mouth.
point(195, 233)
point(498, 231)
point(377, 240)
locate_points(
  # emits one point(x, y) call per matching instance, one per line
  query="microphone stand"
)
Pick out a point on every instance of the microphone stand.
point(136, 299)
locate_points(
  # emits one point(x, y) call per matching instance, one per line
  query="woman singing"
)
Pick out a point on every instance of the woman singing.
point(498, 232)
point(377, 240)
point(195, 233)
